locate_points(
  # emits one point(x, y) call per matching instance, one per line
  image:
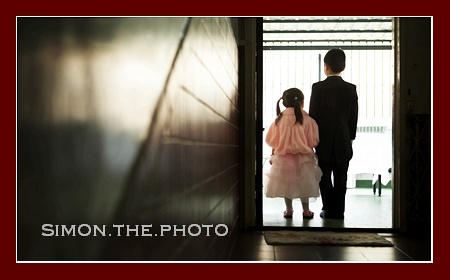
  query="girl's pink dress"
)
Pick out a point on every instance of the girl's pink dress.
point(294, 172)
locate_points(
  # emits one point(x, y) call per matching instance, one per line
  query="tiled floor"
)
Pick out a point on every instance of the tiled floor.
point(251, 247)
point(364, 212)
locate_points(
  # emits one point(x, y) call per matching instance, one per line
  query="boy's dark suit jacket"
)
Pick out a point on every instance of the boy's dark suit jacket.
point(334, 106)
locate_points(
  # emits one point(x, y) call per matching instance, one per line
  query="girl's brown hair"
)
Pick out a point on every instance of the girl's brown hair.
point(292, 97)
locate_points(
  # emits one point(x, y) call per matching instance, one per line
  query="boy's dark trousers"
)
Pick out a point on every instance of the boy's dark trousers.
point(333, 191)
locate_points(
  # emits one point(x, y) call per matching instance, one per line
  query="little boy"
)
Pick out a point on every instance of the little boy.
point(334, 106)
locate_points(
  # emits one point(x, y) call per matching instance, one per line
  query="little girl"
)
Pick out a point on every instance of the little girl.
point(294, 172)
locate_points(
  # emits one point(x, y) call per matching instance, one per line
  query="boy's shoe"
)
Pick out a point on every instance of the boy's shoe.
point(334, 216)
point(331, 215)
point(288, 213)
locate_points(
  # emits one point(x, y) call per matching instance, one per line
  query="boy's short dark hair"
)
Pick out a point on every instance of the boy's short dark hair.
point(335, 59)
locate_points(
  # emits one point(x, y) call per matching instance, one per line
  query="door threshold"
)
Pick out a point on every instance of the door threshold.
point(273, 228)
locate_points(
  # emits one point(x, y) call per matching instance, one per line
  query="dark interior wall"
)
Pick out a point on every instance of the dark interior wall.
point(188, 171)
point(415, 94)
point(130, 121)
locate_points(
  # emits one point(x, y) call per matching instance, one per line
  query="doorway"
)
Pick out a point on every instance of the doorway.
point(293, 49)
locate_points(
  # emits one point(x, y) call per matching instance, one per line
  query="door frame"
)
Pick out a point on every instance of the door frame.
point(259, 67)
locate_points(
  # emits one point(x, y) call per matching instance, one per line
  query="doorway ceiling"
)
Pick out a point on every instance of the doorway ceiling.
point(323, 32)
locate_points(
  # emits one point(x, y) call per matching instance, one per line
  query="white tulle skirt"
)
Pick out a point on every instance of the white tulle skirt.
point(293, 176)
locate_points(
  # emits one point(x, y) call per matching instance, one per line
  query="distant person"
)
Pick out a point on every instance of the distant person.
point(294, 172)
point(334, 106)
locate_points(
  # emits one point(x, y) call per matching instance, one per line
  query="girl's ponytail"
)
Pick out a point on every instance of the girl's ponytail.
point(298, 110)
point(278, 111)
